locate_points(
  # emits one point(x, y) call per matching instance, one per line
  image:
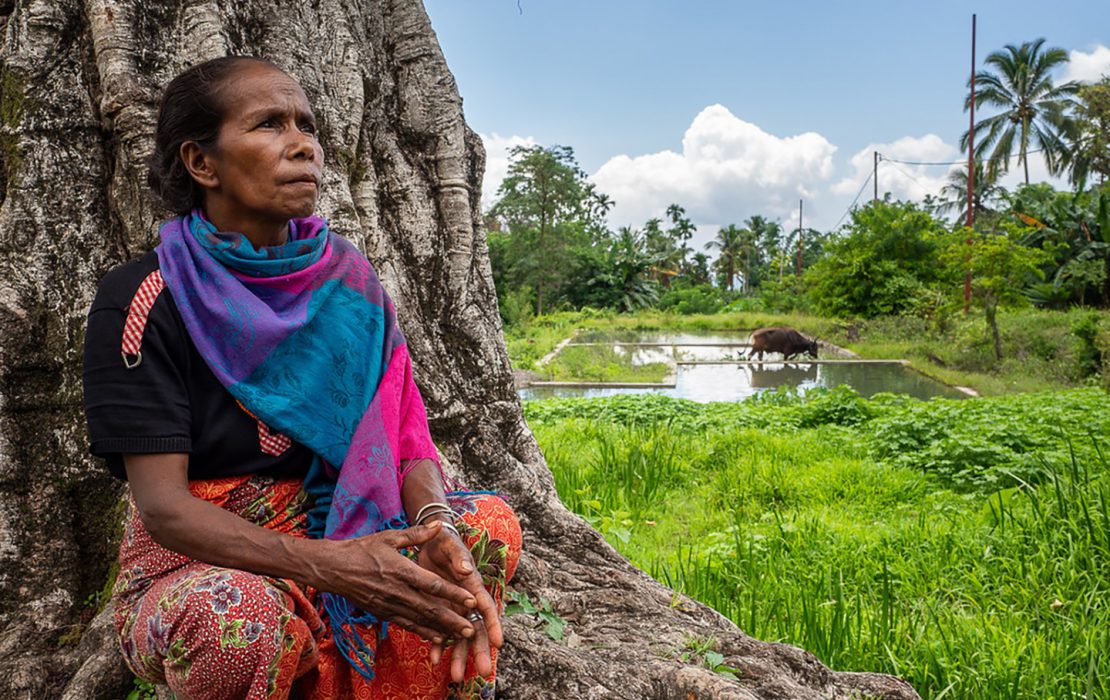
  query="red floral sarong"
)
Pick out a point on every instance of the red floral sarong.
point(211, 632)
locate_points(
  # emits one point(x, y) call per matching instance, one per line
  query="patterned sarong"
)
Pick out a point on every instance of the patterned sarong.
point(212, 633)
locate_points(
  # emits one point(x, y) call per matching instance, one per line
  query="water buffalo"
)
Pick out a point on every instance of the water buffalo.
point(783, 340)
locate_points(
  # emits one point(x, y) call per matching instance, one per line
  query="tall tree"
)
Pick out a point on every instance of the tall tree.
point(548, 205)
point(1089, 147)
point(954, 193)
point(1033, 110)
point(1000, 268)
point(403, 180)
point(749, 249)
point(769, 237)
point(884, 258)
point(669, 245)
point(729, 244)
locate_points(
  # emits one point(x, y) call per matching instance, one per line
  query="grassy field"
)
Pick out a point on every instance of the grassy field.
point(963, 545)
point(600, 363)
point(1042, 350)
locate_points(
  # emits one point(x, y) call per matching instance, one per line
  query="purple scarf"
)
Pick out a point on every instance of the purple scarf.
point(304, 336)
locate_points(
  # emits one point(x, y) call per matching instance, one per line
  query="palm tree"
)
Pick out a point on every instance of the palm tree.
point(1033, 109)
point(729, 241)
point(749, 248)
point(768, 237)
point(954, 194)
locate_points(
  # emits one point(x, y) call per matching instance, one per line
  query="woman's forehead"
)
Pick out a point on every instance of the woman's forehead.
point(260, 88)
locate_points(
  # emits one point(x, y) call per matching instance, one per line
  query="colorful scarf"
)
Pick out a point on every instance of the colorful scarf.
point(304, 336)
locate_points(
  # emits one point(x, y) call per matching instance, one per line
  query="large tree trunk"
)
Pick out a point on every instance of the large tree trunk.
point(79, 84)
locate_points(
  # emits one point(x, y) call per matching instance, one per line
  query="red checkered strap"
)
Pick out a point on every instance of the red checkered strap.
point(137, 314)
point(273, 444)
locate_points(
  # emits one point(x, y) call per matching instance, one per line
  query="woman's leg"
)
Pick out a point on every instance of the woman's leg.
point(403, 668)
point(211, 633)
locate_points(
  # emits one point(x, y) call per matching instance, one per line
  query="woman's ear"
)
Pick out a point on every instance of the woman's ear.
point(200, 165)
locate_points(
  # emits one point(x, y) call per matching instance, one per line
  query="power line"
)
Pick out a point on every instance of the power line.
point(849, 209)
point(950, 162)
point(924, 189)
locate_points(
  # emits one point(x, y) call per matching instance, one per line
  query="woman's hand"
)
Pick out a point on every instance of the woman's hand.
point(375, 576)
point(446, 555)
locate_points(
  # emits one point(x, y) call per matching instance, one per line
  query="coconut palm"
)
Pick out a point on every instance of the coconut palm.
point(954, 194)
point(1033, 109)
point(730, 243)
point(769, 240)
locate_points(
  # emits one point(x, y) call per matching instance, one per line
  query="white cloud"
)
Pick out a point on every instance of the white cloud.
point(1088, 67)
point(901, 180)
point(728, 170)
point(497, 162)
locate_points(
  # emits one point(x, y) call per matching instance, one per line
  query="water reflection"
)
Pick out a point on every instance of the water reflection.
point(772, 376)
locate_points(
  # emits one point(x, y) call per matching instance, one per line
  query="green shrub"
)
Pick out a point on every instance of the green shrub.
point(1089, 357)
point(841, 405)
point(702, 299)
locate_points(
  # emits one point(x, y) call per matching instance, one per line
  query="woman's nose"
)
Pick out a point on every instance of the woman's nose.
point(304, 146)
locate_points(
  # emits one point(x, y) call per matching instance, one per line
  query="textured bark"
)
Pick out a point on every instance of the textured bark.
point(78, 89)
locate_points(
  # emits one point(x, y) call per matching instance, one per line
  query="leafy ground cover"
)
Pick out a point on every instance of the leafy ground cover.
point(963, 545)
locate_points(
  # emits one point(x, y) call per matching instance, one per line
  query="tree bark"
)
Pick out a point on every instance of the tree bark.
point(992, 320)
point(79, 83)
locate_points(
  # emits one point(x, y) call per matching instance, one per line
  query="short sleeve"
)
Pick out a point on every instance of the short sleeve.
point(144, 409)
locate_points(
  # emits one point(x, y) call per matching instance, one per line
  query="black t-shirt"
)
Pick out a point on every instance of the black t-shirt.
point(170, 402)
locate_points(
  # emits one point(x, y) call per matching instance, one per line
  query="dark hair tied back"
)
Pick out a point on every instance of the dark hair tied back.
point(192, 109)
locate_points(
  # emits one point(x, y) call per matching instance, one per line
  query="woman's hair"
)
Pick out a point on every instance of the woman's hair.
point(192, 109)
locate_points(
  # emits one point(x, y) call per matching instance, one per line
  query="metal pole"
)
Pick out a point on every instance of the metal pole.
point(875, 177)
point(970, 170)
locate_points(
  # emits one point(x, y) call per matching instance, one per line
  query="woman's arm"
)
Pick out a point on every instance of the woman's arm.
point(367, 570)
point(447, 555)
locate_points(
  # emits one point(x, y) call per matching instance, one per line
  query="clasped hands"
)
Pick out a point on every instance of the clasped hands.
point(439, 596)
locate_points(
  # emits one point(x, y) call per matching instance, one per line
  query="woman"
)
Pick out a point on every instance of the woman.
point(288, 527)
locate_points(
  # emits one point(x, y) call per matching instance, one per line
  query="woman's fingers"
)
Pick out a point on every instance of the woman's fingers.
point(432, 584)
point(411, 536)
point(479, 646)
point(491, 619)
point(459, 653)
point(460, 563)
point(428, 633)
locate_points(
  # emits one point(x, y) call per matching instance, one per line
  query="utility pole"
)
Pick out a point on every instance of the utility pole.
point(799, 238)
point(970, 170)
point(875, 178)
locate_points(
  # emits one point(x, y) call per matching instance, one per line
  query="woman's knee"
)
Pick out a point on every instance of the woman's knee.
point(490, 513)
point(234, 631)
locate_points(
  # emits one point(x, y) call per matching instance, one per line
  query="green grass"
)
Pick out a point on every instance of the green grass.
point(963, 545)
point(601, 363)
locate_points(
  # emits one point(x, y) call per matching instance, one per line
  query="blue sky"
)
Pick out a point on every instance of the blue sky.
point(733, 108)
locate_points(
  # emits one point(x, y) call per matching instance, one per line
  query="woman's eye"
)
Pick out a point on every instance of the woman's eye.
point(308, 128)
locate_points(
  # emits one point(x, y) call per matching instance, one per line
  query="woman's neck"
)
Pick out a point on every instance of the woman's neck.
point(261, 234)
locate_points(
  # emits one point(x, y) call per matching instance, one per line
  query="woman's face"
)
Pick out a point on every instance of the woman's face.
point(266, 165)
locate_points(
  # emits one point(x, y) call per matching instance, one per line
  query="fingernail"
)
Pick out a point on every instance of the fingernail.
point(466, 568)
